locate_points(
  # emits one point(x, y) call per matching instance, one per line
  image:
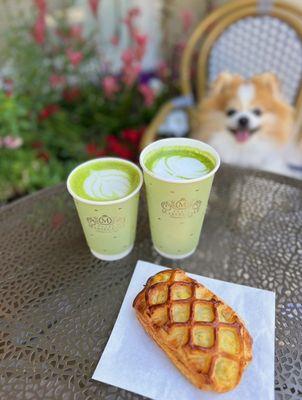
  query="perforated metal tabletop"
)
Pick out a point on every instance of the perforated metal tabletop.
point(58, 303)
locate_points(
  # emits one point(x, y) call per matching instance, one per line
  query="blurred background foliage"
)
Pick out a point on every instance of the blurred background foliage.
point(61, 100)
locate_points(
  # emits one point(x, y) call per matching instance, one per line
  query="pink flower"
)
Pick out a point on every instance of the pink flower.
point(11, 142)
point(139, 52)
point(187, 19)
point(110, 86)
point(180, 46)
point(115, 40)
point(75, 57)
point(128, 56)
point(134, 12)
point(39, 26)
point(57, 81)
point(130, 74)
point(140, 39)
point(41, 6)
point(39, 30)
point(76, 31)
point(163, 70)
point(147, 93)
point(94, 6)
point(141, 42)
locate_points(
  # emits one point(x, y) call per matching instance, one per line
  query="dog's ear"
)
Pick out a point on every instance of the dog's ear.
point(223, 81)
point(270, 81)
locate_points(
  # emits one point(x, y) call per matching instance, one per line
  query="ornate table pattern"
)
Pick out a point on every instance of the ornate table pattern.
point(58, 303)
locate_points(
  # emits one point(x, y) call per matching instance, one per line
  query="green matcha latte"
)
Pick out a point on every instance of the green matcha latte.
point(179, 162)
point(178, 175)
point(104, 180)
point(106, 194)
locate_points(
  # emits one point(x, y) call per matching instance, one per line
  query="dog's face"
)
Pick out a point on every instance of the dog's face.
point(243, 113)
point(247, 108)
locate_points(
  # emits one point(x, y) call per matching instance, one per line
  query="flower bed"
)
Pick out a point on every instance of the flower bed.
point(59, 105)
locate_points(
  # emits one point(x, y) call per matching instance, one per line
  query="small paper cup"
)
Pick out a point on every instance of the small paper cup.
point(109, 226)
point(177, 207)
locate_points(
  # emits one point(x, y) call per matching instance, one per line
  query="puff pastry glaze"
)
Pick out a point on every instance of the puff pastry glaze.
point(203, 336)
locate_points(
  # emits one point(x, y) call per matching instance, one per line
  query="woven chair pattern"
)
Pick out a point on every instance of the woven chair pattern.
point(254, 45)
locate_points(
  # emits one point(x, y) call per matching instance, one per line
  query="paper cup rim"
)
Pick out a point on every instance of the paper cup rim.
point(180, 142)
point(110, 202)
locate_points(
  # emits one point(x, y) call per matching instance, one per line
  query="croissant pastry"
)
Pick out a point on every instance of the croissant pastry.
point(204, 337)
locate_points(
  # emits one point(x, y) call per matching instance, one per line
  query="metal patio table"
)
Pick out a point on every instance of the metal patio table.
point(58, 303)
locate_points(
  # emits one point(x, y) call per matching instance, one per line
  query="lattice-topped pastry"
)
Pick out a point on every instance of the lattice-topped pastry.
point(203, 336)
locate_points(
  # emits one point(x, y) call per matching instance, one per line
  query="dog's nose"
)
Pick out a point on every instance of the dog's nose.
point(243, 121)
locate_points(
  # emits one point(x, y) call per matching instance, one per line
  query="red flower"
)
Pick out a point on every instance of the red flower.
point(48, 111)
point(43, 155)
point(39, 30)
point(8, 86)
point(118, 148)
point(71, 94)
point(110, 86)
point(132, 135)
point(75, 57)
point(94, 150)
point(111, 141)
point(94, 6)
point(147, 93)
point(57, 81)
point(37, 144)
point(123, 151)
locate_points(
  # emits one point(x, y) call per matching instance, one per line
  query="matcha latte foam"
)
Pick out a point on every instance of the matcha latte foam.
point(179, 162)
point(104, 180)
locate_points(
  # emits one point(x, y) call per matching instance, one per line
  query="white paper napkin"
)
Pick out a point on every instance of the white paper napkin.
point(132, 361)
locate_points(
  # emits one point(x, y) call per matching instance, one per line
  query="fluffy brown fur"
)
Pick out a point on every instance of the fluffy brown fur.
point(277, 116)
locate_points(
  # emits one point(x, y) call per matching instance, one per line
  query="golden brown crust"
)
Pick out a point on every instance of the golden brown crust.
point(204, 338)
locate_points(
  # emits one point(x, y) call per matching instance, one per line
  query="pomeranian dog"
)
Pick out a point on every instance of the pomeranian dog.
point(246, 121)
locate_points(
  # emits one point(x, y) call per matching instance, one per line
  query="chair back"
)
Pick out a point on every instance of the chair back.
point(247, 37)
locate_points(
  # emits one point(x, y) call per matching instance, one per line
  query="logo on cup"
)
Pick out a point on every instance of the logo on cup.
point(181, 208)
point(105, 220)
point(105, 223)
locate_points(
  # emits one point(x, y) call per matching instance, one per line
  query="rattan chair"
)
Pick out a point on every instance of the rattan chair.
point(248, 37)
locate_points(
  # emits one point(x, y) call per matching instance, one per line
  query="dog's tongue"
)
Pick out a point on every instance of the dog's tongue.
point(242, 136)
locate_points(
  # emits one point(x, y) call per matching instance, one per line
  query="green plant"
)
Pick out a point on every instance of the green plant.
point(59, 114)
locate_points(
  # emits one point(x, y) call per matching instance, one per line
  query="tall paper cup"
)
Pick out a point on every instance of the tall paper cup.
point(177, 207)
point(109, 226)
